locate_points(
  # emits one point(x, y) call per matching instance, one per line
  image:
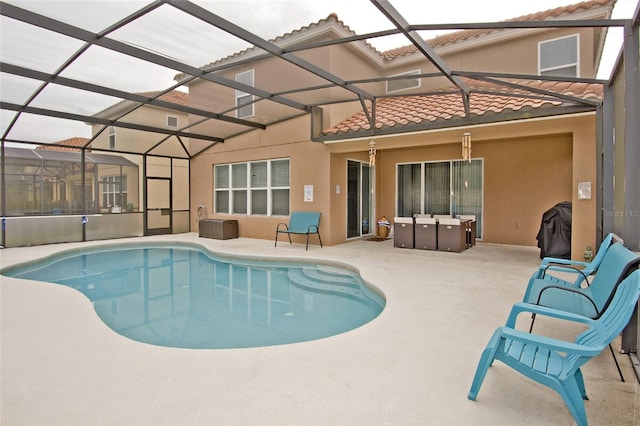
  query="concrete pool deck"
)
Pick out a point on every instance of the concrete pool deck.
point(413, 365)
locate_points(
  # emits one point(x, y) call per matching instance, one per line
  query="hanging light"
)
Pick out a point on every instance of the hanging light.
point(466, 146)
point(372, 153)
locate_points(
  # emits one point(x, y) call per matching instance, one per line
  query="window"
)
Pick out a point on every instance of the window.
point(255, 188)
point(559, 57)
point(114, 191)
point(244, 101)
point(112, 137)
point(443, 187)
point(172, 121)
point(404, 83)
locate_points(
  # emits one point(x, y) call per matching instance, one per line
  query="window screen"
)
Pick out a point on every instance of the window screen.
point(404, 83)
point(559, 57)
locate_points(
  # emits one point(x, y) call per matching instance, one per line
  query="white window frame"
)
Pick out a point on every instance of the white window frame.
point(239, 94)
point(408, 73)
point(169, 117)
point(248, 188)
point(109, 191)
point(541, 70)
point(112, 137)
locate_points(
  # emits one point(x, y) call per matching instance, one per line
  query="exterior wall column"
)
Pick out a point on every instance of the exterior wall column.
point(584, 211)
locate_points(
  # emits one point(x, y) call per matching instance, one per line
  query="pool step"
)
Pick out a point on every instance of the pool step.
point(326, 281)
point(332, 276)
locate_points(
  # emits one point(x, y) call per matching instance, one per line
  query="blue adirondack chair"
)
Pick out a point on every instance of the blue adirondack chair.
point(303, 223)
point(590, 301)
point(556, 363)
point(580, 270)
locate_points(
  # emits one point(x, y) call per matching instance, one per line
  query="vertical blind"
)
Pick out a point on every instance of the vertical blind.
point(408, 189)
point(437, 188)
point(445, 187)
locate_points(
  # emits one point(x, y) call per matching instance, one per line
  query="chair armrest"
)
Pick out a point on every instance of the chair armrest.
point(549, 343)
point(310, 229)
point(566, 268)
point(521, 307)
point(552, 260)
point(286, 227)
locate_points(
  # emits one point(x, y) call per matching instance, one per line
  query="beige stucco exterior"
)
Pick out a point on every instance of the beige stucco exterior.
point(529, 165)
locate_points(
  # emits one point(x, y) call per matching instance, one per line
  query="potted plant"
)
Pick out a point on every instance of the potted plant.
point(383, 227)
point(588, 254)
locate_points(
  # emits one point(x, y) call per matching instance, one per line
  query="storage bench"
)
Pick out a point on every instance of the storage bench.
point(218, 229)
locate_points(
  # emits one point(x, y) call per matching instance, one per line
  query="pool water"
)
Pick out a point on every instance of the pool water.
point(188, 298)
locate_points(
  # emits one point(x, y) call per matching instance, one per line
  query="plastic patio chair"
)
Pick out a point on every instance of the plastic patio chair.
point(590, 301)
point(556, 363)
point(581, 270)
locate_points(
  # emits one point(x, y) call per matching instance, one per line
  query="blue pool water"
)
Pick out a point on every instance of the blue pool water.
point(188, 298)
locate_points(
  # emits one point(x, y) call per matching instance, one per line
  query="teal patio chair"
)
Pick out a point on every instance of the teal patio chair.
point(556, 363)
point(590, 301)
point(580, 270)
point(303, 223)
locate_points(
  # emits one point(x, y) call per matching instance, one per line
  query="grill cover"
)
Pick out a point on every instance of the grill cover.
point(554, 236)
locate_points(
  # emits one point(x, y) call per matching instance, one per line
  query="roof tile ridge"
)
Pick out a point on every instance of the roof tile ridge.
point(331, 17)
point(456, 36)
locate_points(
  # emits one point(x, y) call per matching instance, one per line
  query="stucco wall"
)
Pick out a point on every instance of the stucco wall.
point(309, 163)
point(529, 166)
point(518, 55)
point(523, 177)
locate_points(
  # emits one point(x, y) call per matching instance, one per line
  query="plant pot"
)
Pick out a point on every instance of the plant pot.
point(383, 231)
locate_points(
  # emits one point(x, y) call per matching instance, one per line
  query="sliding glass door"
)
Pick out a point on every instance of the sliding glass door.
point(443, 187)
point(359, 199)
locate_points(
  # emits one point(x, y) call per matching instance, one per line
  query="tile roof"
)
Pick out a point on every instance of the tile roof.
point(447, 104)
point(457, 36)
point(71, 144)
point(441, 40)
point(175, 97)
point(331, 18)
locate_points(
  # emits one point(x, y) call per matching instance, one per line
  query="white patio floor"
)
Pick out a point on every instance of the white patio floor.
point(413, 365)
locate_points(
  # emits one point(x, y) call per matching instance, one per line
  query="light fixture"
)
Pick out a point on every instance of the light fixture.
point(466, 146)
point(372, 153)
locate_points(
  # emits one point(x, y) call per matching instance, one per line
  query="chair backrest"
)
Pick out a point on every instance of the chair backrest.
point(604, 246)
point(615, 318)
point(467, 216)
point(617, 263)
point(302, 220)
point(442, 216)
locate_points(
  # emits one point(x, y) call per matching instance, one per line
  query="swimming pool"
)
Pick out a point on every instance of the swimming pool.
point(184, 296)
